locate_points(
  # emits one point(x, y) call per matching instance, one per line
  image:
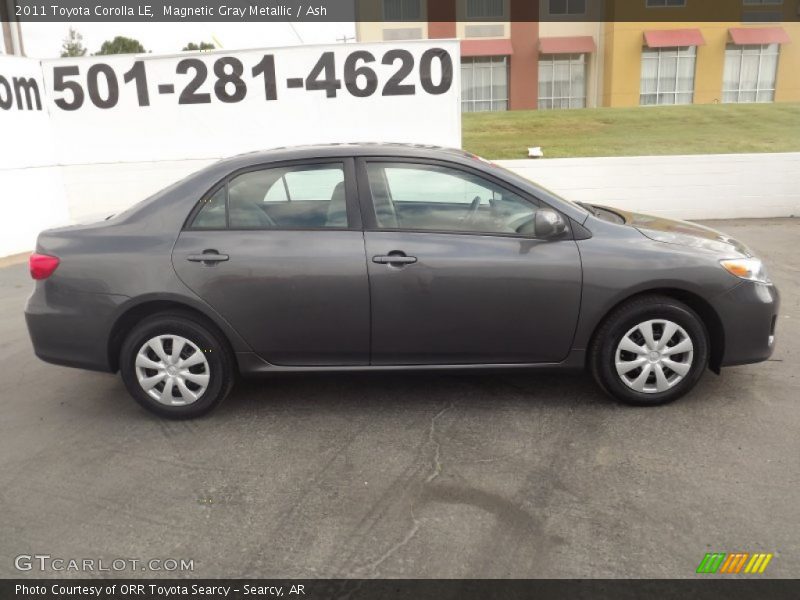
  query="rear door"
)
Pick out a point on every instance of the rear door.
point(278, 251)
point(456, 274)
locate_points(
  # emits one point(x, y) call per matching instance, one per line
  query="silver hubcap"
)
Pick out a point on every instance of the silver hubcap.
point(172, 370)
point(654, 356)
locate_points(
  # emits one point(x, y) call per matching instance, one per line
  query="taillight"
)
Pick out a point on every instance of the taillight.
point(42, 265)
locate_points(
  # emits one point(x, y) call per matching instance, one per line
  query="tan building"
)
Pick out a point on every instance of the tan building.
point(499, 43)
point(556, 55)
point(700, 63)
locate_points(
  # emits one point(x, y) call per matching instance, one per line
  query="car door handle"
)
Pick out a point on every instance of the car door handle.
point(208, 257)
point(394, 259)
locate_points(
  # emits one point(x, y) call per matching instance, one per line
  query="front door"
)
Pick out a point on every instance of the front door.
point(456, 275)
point(279, 253)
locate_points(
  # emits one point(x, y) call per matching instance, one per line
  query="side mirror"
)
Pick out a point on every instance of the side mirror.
point(548, 224)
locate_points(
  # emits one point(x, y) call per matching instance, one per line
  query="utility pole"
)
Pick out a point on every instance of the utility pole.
point(12, 32)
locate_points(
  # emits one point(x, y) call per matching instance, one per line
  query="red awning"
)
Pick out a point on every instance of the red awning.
point(567, 45)
point(670, 38)
point(486, 48)
point(759, 35)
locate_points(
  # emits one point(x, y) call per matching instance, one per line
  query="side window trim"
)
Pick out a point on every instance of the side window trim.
point(354, 214)
point(286, 188)
point(368, 206)
point(227, 204)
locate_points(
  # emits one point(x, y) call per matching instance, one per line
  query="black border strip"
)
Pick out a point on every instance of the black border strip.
point(406, 589)
point(305, 11)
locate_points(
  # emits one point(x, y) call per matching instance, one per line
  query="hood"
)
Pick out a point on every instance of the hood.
point(684, 233)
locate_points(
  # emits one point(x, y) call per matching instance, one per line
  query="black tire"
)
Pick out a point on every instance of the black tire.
point(602, 354)
point(220, 362)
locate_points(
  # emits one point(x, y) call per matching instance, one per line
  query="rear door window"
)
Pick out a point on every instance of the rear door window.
point(296, 197)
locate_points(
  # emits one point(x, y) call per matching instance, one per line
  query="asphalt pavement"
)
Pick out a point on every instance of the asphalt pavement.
point(486, 475)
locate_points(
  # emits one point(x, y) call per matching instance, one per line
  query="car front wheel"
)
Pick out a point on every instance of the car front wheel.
point(176, 366)
point(650, 351)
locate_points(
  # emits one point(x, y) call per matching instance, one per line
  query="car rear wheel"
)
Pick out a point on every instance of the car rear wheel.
point(650, 351)
point(176, 366)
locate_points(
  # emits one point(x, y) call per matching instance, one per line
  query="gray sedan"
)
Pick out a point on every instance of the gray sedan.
point(370, 257)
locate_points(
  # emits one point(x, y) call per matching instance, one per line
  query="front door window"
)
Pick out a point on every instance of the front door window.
point(418, 197)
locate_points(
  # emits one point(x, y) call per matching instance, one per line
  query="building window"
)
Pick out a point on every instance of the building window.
point(665, 3)
point(758, 2)
point(401, 10)
point(484, 9)
point(562, 81)
point(668, 75)
point(567, 7)
point(484, 83)
point(750, 73)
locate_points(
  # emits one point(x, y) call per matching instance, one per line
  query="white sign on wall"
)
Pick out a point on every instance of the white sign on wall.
point(31, 189)
point(189, 106)
point(24, 120)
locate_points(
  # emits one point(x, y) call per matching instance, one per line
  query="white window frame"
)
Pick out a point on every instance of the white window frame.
point(658, 93)
point(492, 100)
point(740, 48)
point(573, 60)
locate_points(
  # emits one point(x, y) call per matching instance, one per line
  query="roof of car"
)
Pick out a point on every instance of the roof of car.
point(348, 149)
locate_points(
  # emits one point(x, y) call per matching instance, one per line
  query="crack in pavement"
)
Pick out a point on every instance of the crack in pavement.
point(437, 464)
point(437, 470)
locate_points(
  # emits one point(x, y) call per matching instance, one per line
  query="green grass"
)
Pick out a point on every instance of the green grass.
point(638, 131)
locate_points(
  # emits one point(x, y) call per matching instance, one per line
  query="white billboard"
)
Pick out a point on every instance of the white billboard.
point(134, 108)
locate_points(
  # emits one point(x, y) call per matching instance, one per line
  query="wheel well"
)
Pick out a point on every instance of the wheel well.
point(128, 320)
point(705, 311)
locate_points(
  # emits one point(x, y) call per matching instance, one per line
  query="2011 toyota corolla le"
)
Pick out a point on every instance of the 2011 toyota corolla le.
point(368, 257)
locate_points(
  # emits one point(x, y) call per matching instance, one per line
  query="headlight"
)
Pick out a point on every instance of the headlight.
point(750, 269)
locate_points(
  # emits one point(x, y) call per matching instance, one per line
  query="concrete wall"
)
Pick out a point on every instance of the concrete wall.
point(719, 186)
point(94, 192)
point(714, 186)
point(683, 187)
point(31, 189)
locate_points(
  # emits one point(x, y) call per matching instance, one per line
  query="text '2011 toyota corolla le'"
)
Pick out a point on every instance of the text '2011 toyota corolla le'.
point(366, 257)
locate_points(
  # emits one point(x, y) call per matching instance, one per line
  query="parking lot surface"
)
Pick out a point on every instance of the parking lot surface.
point(483, 475)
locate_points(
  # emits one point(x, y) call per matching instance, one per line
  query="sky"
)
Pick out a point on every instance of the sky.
point(43, 40)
